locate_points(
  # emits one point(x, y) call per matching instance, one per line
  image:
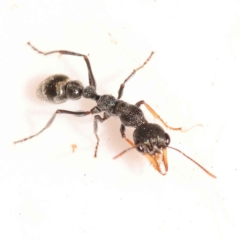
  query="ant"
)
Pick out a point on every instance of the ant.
point(149, 139)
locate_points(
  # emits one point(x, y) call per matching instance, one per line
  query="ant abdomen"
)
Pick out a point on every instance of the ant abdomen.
point(58, 88)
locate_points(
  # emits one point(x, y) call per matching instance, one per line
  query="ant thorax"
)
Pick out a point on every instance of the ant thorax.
point(151, 138)
point(130, 115)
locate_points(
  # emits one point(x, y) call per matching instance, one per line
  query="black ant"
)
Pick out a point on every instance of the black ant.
point(149, 139)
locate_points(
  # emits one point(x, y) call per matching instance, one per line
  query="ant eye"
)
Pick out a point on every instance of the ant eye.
point(140, 149)
point(167, 139)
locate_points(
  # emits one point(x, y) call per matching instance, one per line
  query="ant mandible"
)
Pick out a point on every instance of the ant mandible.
point(149, 139)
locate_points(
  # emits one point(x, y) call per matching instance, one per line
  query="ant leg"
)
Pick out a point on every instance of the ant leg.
point(120, 91)
point(97, 119)
point(49, 123)
point(122, 131)
point(159, 118)
point(92, 81)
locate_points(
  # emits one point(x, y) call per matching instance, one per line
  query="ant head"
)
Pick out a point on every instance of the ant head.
point(150, 138)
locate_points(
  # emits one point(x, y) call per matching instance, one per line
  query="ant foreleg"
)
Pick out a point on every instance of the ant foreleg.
point(92, 81)
point(159, 118)
point(122, 131)
point(49, 123)
point(120, 91)
point(97, 119)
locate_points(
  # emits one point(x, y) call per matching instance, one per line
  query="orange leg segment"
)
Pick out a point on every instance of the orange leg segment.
point(160, 119)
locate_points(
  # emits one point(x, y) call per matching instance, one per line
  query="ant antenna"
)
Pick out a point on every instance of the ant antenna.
point(187, 129)
point(126, 150)
point(204, 169)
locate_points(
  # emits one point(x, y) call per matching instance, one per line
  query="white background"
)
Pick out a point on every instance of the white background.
point(48, 192)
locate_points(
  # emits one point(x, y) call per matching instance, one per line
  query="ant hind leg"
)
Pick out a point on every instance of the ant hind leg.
point(49, 123)
point(92, 81)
